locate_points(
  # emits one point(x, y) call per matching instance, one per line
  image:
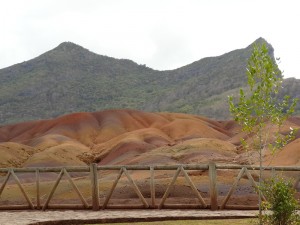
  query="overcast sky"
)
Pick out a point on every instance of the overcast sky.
point(163, 34)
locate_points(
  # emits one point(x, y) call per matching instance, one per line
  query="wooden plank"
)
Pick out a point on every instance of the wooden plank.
point(119, 167)
point(14, 207)
point(112, 189)
point(156, 167)
point(107, 167)
point(47, 169)
point(53, 189)
point(213, 186)
point(4, 182)
point(143, 167)
point(183, 206)
point(22, 189)
point(127, 206)
point(232, 189)
point(136, 188)
point(166, 194)
point(186, 167)
point(252, 182)
point(38, 200)
point(241, 207)
point(67, 206)
point(250, 167)
point(188, 179)
point(152, 187)
point(86, 205)
point(68, 168)
point(95, 186)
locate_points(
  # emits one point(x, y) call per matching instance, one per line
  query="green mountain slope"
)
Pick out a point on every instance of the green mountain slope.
point(70, 78)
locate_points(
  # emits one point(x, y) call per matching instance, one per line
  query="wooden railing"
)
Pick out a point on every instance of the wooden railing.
point(210, 203)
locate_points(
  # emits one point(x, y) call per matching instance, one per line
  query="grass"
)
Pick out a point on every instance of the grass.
point(193, 222)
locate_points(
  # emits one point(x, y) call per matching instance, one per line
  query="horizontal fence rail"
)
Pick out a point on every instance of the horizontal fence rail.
point(213, 201)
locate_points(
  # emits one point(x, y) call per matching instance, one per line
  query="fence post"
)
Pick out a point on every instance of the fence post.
point(38, 200)
point(213, 186)
point(95, 188)
point(152, 186)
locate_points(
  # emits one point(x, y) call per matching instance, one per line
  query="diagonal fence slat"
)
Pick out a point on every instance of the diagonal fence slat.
point(132, 183)
point(22, 189)
point(188, 179)
point(135, 187)
point(252, 182)
point(4, 182)
point(53, 189)
point(86, 205)
point(232, 189)
point(112, 189)
point(190, 182)
point(75, 188)
point(166, 194)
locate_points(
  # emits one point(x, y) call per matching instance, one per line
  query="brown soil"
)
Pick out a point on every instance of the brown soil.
point(124, 137)
point(130, 137)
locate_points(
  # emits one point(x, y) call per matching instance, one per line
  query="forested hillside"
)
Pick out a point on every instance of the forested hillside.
point(70, 78)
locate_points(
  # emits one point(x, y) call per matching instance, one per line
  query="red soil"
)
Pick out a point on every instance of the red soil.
point(129, 137)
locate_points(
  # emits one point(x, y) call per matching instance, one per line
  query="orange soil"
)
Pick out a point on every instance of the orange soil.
point(130, 137)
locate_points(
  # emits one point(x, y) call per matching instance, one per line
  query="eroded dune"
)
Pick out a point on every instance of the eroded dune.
point(129, 137)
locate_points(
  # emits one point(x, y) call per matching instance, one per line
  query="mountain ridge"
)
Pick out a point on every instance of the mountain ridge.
point(70, 78)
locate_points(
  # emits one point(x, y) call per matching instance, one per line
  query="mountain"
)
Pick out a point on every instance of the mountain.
point(70, 78)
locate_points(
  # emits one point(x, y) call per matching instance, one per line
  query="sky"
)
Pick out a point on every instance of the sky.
point(163, 34)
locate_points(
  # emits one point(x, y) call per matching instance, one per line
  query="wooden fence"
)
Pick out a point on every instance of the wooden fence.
point(151, 203)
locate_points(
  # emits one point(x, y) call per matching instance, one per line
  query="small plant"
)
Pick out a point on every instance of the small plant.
point(281, 202)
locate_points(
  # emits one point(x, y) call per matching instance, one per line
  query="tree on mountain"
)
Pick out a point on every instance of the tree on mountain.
point(258, 110)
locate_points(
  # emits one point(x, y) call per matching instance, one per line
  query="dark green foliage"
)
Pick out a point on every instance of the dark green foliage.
point(281, 201)
point(70, 78)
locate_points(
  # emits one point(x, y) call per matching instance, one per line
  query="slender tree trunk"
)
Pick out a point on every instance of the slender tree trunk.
point(261, 147)
point(259, 190)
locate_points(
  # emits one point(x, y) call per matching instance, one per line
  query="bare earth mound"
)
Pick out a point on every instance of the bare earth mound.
point(130, 137)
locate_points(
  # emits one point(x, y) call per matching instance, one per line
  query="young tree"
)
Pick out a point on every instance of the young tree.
point(258, 110)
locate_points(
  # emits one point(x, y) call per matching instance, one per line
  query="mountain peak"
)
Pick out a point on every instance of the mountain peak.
point(260, 40)
point(68, 49)
point(69, 46)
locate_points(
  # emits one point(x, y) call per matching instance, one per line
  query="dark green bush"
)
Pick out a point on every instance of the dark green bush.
point(281, 202)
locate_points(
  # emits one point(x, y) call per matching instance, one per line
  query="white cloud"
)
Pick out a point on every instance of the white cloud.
point(162, 34)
